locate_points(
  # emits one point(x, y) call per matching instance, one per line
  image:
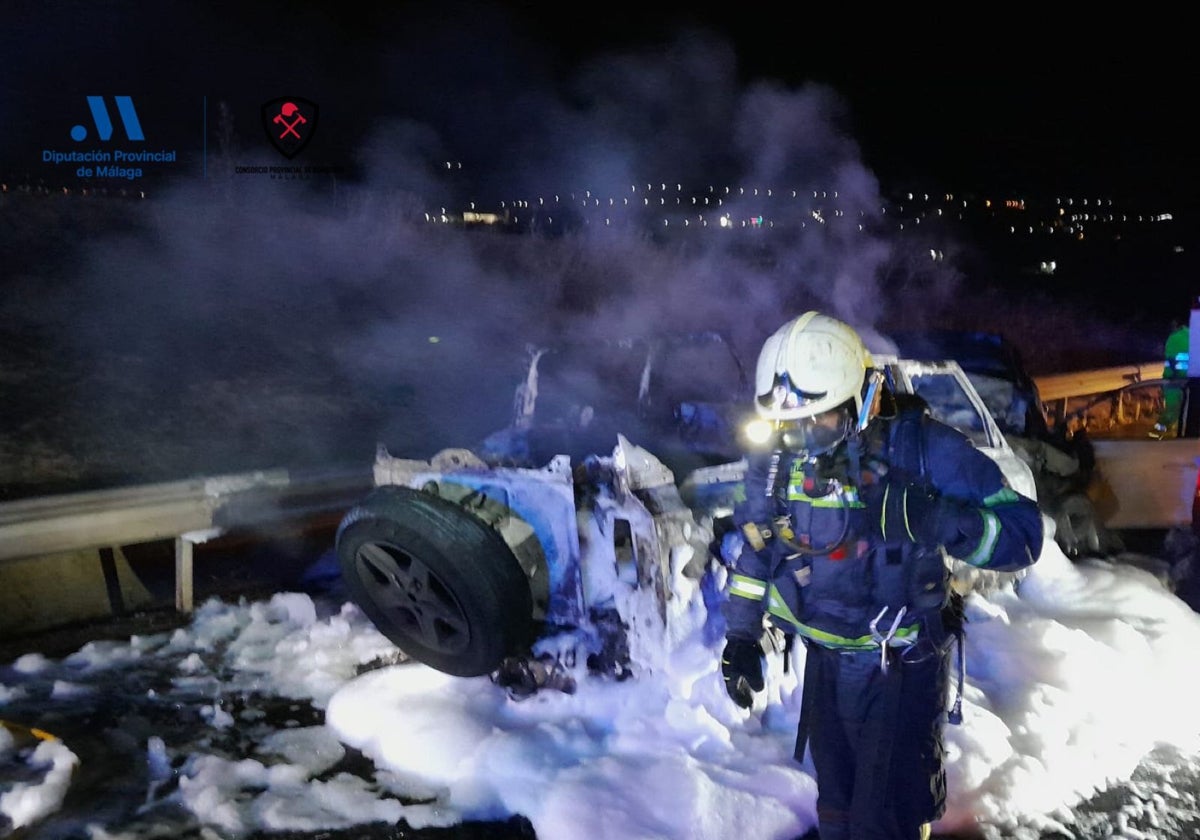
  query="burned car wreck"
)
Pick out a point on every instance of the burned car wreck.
point(483, 561)
point(683, 396)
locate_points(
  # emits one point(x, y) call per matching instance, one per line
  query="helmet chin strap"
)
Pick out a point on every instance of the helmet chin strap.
point(855, 451)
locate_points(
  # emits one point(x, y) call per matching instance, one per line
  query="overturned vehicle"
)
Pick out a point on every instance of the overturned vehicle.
point(474, 562)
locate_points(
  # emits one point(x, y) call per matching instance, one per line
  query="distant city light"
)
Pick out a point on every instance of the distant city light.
point(797, 208)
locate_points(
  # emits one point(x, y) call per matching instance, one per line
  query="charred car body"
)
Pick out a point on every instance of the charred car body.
point(681, 395)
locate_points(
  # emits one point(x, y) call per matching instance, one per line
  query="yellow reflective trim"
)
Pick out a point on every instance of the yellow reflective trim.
point(778, 607)
point(982, 555)
point(839, 502)
point(904, 636)
point(907, 526)
point(843, 498)
point(747, 587)
point(775, 606)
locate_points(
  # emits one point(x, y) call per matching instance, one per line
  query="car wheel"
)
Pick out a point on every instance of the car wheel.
point(442, 585)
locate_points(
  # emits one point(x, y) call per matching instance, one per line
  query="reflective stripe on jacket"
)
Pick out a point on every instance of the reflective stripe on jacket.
point(828, 576)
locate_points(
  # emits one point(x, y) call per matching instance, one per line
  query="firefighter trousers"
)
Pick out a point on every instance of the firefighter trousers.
point(875, 739)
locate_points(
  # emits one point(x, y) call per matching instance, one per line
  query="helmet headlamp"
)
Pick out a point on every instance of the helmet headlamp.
point(759, 433)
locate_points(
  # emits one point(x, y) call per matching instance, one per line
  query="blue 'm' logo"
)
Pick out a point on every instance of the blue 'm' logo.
point(104, 126)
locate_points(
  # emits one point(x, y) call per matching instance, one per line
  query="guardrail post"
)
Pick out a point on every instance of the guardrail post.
point(183, 575)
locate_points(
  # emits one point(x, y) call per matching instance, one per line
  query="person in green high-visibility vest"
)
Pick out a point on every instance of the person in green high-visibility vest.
point(1175, 354)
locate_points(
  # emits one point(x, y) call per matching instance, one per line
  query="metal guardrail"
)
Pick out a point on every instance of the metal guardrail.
point(195, 510)
point(1082, 383)
point(189, 512)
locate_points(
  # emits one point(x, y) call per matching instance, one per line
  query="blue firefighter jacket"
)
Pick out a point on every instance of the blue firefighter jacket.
point(826, 574)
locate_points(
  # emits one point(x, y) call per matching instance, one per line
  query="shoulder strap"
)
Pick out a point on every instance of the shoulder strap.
point(907, 450)
point(906, 441)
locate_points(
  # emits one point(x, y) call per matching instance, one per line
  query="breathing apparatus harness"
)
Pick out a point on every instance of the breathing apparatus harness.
point(824, 471)
point(843, 465)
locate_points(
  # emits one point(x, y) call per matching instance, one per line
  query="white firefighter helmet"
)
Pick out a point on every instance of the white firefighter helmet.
point(811, 365)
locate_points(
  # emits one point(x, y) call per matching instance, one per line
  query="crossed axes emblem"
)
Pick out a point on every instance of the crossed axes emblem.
point(281, 118)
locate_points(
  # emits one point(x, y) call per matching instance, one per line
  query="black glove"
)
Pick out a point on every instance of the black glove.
point(900, 507)
point(742, 667)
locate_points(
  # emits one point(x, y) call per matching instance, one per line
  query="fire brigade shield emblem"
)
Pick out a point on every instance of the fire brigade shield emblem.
point(290, 122)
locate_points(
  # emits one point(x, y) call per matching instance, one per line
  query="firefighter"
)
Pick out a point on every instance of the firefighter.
point(850, 500)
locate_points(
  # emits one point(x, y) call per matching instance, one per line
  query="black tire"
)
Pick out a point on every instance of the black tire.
point(443, 586)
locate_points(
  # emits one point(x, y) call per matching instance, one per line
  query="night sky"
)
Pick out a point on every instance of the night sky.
point(1000, 105)
point(238, 293)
